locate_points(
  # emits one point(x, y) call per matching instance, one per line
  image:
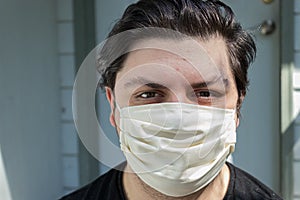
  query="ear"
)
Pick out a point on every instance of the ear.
point(111, 100)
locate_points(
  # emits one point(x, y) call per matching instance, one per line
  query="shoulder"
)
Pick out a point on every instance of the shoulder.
point(107, 186)
point(242, 185)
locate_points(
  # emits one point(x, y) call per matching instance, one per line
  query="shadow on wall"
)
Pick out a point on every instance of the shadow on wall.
point(4, 187)
point(290, 151)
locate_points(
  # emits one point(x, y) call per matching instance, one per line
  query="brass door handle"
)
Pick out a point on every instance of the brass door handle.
point(267, 27)
point(268, 1)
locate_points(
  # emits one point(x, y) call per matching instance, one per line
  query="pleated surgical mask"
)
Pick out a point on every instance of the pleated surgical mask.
point(177, 148)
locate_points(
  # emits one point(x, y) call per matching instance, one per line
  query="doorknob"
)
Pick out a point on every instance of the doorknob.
point(267, 27)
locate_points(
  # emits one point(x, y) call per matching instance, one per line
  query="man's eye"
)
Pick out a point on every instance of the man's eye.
point(147, 95)
point(204, 94)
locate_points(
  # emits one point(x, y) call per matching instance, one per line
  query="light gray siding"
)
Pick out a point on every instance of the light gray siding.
point(30, 99)
point(66, 54)
point(296, 100)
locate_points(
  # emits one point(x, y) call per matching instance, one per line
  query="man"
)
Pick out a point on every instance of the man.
point(175, 75)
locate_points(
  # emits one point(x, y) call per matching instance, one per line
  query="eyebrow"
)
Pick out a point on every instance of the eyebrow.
point(208, 83)
point(143, 81)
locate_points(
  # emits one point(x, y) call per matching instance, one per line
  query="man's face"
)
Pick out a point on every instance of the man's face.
point(162, 71)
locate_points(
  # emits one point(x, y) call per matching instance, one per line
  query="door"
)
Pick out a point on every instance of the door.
point(257, 149)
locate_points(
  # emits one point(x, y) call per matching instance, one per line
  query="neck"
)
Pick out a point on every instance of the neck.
point(136, 189)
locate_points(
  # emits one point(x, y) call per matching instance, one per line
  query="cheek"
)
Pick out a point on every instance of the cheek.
point(123, 95)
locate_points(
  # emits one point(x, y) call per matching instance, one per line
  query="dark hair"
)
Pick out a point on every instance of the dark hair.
point(196, 18)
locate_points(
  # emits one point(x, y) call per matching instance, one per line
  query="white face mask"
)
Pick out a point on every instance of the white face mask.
point(177, 148)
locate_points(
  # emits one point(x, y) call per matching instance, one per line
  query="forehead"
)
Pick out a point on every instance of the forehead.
point(198, 54)
point(168, 60)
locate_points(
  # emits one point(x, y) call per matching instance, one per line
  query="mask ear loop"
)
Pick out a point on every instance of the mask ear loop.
point(118, 127)
point(118, 108)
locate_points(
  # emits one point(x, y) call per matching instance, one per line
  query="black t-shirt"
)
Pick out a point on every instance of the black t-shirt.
point(109, 187)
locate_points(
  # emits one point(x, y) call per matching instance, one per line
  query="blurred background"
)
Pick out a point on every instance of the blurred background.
point(43, 43)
